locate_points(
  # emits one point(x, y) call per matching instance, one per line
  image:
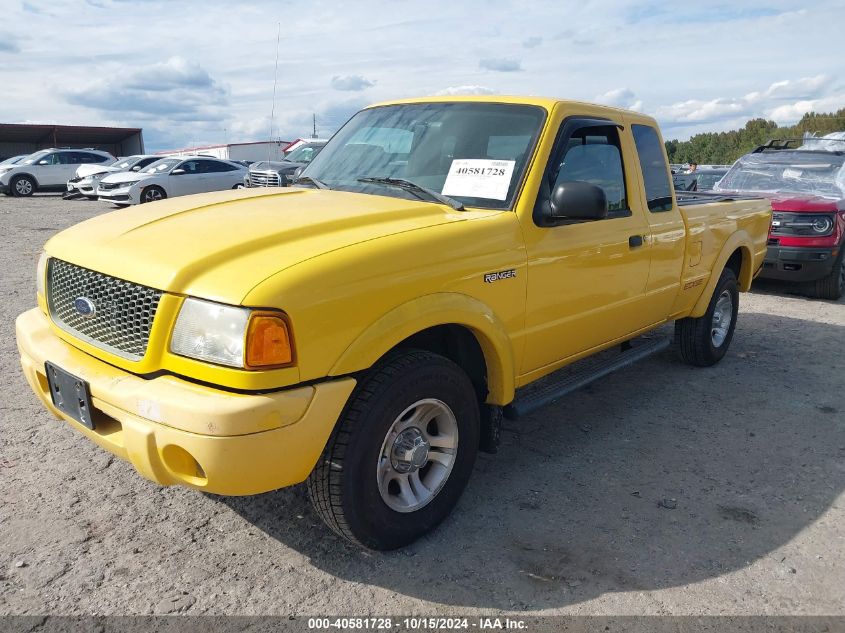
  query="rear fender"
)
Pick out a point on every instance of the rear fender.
point(738, 240)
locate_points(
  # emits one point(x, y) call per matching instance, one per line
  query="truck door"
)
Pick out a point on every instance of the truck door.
point(665, 221)
point(586, 279)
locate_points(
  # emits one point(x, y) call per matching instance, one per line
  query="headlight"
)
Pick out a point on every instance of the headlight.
point(4, 170)
point(41, 273)
point(232, 336)
point(126, 185)
point(822, 224)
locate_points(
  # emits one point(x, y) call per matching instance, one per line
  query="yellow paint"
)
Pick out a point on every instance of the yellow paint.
point(357, 274)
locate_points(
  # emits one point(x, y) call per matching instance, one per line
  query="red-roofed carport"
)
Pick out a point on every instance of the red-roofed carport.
point(26, 138)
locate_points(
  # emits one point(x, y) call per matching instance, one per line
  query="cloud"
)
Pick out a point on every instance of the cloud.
point(754, 104)
point(8, 43)
point(620, 98)
point(465, 90)
point(501, 64)
point(352, 83)
point(175, 73)
point(178, 89)
point(532, 42)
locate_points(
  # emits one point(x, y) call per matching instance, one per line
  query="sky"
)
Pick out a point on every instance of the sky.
point(202, 72)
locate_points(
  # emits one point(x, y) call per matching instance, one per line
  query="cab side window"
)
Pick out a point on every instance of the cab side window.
point(594, 155)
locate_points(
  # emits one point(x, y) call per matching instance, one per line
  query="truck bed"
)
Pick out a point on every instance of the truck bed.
point(686, 198)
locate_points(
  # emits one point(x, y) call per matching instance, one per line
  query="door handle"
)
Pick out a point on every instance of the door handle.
point(635, 241)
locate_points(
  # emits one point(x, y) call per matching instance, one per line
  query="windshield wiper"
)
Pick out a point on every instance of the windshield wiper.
point(308, 179)
point(415, 188)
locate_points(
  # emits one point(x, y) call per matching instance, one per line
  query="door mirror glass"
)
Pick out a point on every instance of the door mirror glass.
point(577, 200)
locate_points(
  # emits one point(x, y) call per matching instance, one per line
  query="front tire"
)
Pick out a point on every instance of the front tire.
point(832, 286)
point(153, 193)
point(703, 341)
point(22, 186)
point(401, 453)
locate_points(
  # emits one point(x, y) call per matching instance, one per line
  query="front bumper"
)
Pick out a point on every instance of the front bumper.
point(797, 263)
point(177, 432)
point(5, 188)
point(117, 196)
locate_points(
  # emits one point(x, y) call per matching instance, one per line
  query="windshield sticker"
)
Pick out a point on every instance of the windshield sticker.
point(791, 173)
point(479, 178)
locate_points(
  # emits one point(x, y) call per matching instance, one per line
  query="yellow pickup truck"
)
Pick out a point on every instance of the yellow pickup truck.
point(366, 330)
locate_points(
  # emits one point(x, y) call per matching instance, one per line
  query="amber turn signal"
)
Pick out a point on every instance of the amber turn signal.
point(268, 341)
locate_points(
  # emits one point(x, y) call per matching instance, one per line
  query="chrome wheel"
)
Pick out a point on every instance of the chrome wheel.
point(722, 316)
point(23, 187)
point(417, 455)
point(152, 195)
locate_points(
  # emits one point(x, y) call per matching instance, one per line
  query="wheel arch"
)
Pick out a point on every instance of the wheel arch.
point(454, 325)
point(735, 254)
point(27, 174)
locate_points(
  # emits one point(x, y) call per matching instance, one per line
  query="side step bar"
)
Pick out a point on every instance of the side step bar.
point(537, 397)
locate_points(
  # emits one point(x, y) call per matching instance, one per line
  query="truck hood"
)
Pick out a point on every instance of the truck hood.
point(811, 204)
point(89, 170)
point(219, 246)
point(126, 176)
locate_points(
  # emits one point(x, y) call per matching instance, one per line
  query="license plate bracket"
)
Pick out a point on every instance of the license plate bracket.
point(71, 395)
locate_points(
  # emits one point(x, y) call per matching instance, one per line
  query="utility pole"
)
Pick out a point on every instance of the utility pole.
point(314, 132)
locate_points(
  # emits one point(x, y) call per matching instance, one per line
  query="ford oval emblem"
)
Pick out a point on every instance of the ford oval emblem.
point(85, 307)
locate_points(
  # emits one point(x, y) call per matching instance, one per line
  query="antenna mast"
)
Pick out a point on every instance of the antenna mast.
point(275, 80)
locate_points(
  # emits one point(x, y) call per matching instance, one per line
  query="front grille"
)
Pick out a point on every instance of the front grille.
point(264, 179)
point(108, 186)
point(786, 224)
point(121, 313)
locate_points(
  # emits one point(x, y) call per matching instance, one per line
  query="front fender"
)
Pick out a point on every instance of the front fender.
point(738, 240)
point(429, 311)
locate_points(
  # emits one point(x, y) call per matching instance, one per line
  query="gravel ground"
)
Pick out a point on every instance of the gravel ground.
point(567, 518)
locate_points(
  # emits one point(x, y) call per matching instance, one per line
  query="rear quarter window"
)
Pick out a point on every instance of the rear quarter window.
point(658, 188)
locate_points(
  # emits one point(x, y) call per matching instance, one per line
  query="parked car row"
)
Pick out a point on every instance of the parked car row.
point(135, 179)
point(88, 177)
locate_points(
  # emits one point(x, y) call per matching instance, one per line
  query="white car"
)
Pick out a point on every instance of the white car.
point(47, 170)
point(88, 176)
point(171, 177)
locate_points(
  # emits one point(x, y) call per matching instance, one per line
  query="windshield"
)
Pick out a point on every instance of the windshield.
point(160, 166)
point(126, 163)
point(788, 172)
point(29, 160)
point(304, 153)
point(707, 180)
point(475, 153)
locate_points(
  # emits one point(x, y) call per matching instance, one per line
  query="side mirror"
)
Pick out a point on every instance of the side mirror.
point(297, 173)
point(177, 172)
point(577, 200)
point(136, 168)
point(43, 162)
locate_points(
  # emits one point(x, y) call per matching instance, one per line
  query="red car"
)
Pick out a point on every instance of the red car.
point(807, 187)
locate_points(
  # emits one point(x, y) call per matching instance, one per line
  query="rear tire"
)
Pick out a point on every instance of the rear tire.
point(22, 186)
point(832, 286)
point(703, 341)
point(401, 453)
point(153, 193)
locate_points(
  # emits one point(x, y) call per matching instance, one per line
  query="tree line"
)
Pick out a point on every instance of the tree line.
point(723, 148)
